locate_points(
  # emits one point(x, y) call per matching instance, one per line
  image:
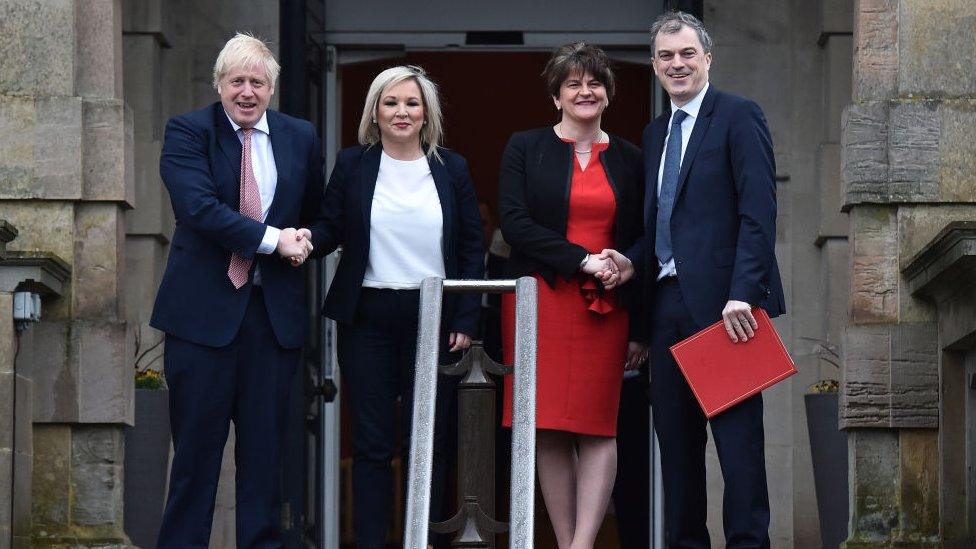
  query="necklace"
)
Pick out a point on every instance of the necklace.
point(596, 139)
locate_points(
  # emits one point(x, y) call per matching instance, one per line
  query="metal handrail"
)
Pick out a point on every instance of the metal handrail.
point(522, 513)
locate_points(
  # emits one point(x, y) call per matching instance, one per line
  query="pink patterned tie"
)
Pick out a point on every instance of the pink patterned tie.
point(250, 206)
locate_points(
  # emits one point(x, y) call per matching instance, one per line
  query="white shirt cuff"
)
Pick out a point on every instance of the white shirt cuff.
point(270, 241)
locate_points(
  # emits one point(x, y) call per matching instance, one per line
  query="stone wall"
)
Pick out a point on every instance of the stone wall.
point(66, 183)
point(908, 152)
point(16, 440)
point(16, 394)
point(34, 275)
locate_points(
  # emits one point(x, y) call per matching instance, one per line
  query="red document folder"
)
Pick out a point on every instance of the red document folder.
point(722, 373)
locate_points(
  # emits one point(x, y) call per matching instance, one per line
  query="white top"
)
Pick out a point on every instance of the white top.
point(406, 227)
point(691, 108)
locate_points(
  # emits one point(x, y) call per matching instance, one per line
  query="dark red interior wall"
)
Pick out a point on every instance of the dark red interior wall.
point(487, 96)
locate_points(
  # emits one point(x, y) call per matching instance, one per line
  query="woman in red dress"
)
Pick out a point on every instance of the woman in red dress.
point(567, 192)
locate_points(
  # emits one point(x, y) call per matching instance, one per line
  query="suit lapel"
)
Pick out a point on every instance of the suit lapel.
point(368, 171)
point(279, 147)
point(652, 163)
point(559, 154)
point(697, 135)
point(442, 181)
point(230, 145)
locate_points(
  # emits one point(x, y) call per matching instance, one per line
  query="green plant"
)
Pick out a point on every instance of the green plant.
point(150, 379)
point(825, 386)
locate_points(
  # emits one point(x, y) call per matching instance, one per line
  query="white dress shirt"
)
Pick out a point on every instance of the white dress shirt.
point(687, 125)
point(265, 173)
point(406, 226)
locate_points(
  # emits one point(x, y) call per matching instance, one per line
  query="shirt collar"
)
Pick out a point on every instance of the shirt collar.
point(261, 126)
point(692, 107)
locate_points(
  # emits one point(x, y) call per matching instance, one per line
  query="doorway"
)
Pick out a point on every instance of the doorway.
point(486, 96)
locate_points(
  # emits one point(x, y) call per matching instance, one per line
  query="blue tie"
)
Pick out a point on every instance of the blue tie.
point(669, 185)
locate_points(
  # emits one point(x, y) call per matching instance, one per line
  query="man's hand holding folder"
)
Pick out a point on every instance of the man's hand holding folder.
point(739, 322)
point(724, 368)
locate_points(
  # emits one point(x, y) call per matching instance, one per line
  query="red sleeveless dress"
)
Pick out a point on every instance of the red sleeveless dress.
point(582, 334)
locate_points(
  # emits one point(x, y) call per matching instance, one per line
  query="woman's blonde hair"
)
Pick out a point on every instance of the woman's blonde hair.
point(245, 51)
point(432, 132)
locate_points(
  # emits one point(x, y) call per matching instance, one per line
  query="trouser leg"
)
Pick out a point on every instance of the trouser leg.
point(201, 383)
point(265, 373)
point(739, 441)
point(679, 423)
point(367, 357)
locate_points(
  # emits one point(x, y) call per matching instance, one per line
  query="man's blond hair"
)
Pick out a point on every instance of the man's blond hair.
point(245, 51)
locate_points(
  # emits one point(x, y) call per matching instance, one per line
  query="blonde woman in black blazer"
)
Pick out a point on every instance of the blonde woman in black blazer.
point(403, 208)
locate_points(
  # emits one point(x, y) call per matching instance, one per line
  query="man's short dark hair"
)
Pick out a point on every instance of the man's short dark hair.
point(671, 22)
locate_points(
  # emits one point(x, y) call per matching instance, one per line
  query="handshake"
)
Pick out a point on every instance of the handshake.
point(294, 245)
point(610, 267)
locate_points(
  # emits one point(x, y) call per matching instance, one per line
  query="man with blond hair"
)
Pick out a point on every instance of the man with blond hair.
point(232, 303)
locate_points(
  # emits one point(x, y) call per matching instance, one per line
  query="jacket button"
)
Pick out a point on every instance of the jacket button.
point(678, 262)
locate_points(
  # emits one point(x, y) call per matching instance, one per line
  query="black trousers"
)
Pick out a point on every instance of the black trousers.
point(246, 382)
point(681, 430)
point(377, 354)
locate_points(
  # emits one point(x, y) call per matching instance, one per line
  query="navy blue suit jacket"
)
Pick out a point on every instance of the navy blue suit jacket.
point(201, 166)
point(346, 214)
point(723, 225)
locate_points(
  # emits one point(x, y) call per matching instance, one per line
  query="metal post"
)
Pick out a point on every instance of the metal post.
point(475, 522)
point(424, 404)
point(476, 431)
point(522, 515)
point(329, 413)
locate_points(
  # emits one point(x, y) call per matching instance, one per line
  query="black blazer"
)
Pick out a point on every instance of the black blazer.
point(535, 180)
point(723, 225)
point(201, 167)
point(346, 210)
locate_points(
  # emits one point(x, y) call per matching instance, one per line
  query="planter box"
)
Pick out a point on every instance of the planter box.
point(146, 461)
point(828, 446)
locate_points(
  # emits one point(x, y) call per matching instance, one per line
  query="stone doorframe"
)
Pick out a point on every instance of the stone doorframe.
point(944, 271)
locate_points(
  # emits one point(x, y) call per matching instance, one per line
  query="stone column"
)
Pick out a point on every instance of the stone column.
point(944, 271)
point(66, 182)
point(31, 273)
point(908, 148)
point(11, 513)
